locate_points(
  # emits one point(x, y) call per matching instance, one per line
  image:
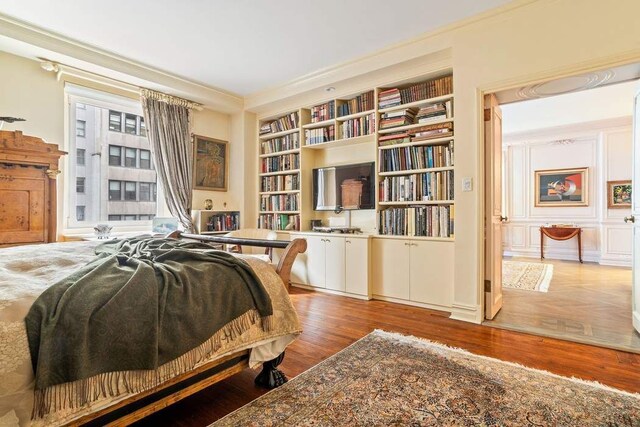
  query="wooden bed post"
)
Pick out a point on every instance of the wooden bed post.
point(297, 246)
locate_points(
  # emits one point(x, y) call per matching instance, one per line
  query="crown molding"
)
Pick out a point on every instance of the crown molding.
point(424, 44)
point(124, 69)
point(574, 131)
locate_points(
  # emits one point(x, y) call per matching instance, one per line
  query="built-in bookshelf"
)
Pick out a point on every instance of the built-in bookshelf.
point(279, 159)
point(406, 128)
point(215, 222)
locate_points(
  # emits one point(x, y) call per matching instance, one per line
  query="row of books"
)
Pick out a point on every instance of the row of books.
point(419, 134)
point(284, 143)
point(285, 162)
point(290, 121)
point(224, 222)
point(429, 221)
point(279, 222)
point(397, 118)
point(417, 187)
point(320, 135)
point(320, 113)
point(280, 183)
point(360, 126)
point(358, 104)
point(416, 157)
point(433, 112)
point(425, 90)
point(280, 202)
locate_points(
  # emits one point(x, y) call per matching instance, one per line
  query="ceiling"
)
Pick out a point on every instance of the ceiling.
point(241, 46)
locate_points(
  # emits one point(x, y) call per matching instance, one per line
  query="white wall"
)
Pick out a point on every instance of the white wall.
point(605, 148)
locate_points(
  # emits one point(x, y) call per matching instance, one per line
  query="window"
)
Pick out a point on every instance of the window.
point(130, 157)
point(115, 192)
point(115, 155)
point(112, 164)
point(80, 156)
point(145, 191)
point(79, 213)
point(130, 122)
point(81, 128)
point(130, 190)
point(115, 121)
point(80, 184)
point(145, 159)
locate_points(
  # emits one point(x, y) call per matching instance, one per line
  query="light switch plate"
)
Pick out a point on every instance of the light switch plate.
point(467, 184)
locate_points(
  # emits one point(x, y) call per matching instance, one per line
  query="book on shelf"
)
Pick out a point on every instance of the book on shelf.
point(320, 135)
point(397, 118)
point(359, 126)
point(426, 221)
point(425, 187)
point(284, 143)
point(279, 202)
point(287, 122)
point(359, 104)
point(279, 221)
point(430, 89)
point(394, 138)
point(427, 132)
point(416, 157)
point(224, 221)
point(433, 112)
point(280, 183)
point(283, 162)
point(322, 112)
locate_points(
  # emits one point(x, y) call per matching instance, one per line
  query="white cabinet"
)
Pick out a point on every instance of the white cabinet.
point(334, 262)
point(413, 270)
point(357, 266)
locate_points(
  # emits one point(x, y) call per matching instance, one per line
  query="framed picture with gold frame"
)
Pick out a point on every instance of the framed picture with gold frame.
point(211, 164)
point(562, 187)
point(619, 194)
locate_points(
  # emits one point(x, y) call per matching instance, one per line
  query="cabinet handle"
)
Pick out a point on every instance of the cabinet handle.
point(407, 244)
point(347, 241)
point(414, 244)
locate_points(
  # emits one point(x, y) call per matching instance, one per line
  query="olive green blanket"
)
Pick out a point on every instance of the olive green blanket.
point(141, 303)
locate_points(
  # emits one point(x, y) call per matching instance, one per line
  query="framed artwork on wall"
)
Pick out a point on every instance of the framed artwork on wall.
point(211, 164)
point(619, 194)
point(562, 187)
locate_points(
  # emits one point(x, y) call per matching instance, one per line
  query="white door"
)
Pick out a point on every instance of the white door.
point(334, 262)
point(431, 273)
point(635, 214)
point(315, 255)
point(357, 266)
point(493, 206)
point(390, 268)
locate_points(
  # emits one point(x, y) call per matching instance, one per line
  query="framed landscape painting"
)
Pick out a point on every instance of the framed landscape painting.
point(211, 164)
point(562, 187)
point(619, 194)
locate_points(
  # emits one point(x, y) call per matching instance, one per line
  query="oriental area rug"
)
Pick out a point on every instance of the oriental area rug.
point(387, 379)
point(528, 276)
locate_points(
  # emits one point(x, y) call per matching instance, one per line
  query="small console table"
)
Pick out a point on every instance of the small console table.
point(561, 233)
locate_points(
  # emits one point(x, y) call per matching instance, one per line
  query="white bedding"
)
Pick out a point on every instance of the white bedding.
point(26, 271)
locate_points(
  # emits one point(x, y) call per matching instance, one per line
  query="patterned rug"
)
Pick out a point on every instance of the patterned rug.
point(528, 276)
point(389, 379)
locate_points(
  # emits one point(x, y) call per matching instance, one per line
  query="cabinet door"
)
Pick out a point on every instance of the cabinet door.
point(315, 261)
point(390, 268)
point(431, 272)
point(357, 266)
point(334, 263)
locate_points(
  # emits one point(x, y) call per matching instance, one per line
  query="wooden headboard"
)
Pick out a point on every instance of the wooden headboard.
point(28, 171)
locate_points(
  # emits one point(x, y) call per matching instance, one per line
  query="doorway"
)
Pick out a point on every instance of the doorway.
point(559, 179)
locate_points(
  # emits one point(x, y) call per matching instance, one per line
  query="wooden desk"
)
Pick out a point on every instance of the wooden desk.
point(561, 233)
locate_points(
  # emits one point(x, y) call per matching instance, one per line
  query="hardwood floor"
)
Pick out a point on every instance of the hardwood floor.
point(331, 323)
point(588, 303)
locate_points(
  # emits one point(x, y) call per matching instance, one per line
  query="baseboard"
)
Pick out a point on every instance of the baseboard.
point(466, 313)
point(587, 257)
point(412, 303)
point(616, 262)
point(330, 291)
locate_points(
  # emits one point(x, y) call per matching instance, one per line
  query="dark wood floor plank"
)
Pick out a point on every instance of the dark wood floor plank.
point(332, 323)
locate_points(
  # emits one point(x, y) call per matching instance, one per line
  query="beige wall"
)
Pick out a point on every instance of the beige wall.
point(528, 41)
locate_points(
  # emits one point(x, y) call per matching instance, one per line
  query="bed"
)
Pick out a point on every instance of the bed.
point(25, 273)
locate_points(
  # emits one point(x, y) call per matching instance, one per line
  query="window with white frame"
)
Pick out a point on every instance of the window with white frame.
point(119, 183)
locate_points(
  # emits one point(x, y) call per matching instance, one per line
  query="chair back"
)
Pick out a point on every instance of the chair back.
point(253, 233)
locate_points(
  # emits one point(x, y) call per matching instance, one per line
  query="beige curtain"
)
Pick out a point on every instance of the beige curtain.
point(168, 123)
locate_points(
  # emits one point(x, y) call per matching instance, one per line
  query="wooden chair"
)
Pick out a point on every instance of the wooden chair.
point(253, 233)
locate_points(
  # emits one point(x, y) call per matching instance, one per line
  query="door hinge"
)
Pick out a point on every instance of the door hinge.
point(487, 285)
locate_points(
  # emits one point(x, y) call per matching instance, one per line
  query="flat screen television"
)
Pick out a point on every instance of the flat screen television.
point(347, 187)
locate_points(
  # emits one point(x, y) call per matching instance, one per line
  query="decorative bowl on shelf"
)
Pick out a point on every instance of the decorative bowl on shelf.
point(103, 231)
